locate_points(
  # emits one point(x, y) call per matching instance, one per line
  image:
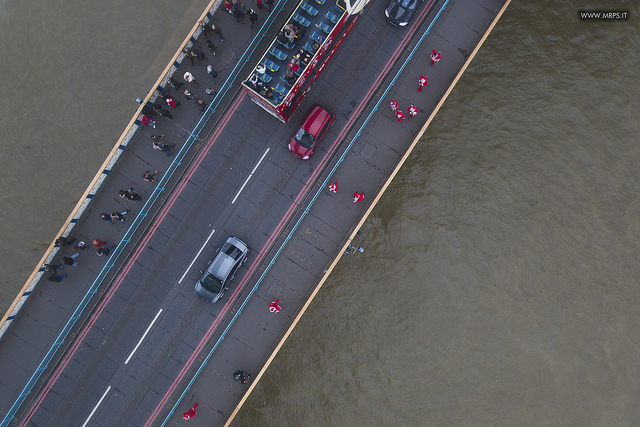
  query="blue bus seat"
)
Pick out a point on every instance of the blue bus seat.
point(326, 28)
point(331, 17)
point(266, 78)
point(309, 9)
point(271, 66)
point(301, 20)
point(278, 53)
point(280, 89)
point(288, 46)
point(316, 38)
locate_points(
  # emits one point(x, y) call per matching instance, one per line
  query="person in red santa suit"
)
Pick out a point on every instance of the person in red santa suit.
point(394, 105)
point(190, 413)
point(400, 116)
point(358, 197)
point(422, 81)
point(333, 187)
point(435, 56)
point(412, 111)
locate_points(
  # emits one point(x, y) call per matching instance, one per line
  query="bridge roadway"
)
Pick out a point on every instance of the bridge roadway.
point(241, 181)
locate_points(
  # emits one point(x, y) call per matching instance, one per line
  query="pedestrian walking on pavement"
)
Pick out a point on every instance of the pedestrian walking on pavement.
point(358, 197)
point(97, 243)
point(253, 17)
point(80, 246)
point(213, 73)
point(163, 147)
point(422, 81)
point(218, 32)
point(202, 104)
point(55, 277)
point(245, 378)
point(333, 188)
point(189, 77)
point(210, 91)
point(174, 83)
point(394, 106)
point(237, 12)
point(149, 177)
point(190, 413)
point(259, 4)
point(70, 260)
point(104, 251)
point(63, 241)
point(400, 116)
point(106, 217)
point(195, 55)
point(274, 307)
point(237, 375)
point(188, 95)
point(412, 111)
point(211, 47)
point(52, 267)
point(228, 5)
point(118, 216)
point(158, 138)
point(130, 194)
point(206, 29)
point(165, 113)
point(435, 56)
point(171, 102)
point(146, 121)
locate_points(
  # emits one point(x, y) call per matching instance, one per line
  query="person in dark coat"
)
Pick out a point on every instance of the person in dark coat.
point(253, 17)
point(55, 277)
point(63, 241)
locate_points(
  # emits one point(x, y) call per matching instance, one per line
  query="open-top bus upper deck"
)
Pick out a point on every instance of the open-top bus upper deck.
point(298, 54)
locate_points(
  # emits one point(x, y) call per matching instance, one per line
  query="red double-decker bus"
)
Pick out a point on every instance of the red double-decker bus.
point(299, 53)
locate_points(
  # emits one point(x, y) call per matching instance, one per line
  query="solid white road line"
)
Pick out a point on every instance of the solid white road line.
point(196, 257)
point(250, 175)
point(95, 408)
point(143, 336)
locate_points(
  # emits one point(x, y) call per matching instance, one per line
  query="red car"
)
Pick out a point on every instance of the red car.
point(315, 126)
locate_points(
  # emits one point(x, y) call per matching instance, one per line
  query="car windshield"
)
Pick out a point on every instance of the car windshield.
point(210, 283)
point(304, 138)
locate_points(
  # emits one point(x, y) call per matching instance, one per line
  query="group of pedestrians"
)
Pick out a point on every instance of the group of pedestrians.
point(412, 111)
point(149, 112)
point(69, 260)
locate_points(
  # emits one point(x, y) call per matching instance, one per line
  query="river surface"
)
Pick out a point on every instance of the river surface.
point(499, 282)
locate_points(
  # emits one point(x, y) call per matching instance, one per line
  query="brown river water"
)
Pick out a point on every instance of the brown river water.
point(499, 282)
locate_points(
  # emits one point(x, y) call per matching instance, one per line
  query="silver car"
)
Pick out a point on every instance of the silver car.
point(213, 282)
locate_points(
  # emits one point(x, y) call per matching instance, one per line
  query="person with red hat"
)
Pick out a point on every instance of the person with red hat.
point(274, 307)
point(358, 197)
point(190, 413)
point(394, 105)
point(333, 187)
point(400, 116)
point(172, 103)
point(422, 81)
point(412, 111)
point(435, 56)
point(146, 121)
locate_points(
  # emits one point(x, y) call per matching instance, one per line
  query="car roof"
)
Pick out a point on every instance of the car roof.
point(223, 262)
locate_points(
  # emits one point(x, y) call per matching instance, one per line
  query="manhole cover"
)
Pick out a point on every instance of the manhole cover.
point(368, 150)
point(228, 56)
